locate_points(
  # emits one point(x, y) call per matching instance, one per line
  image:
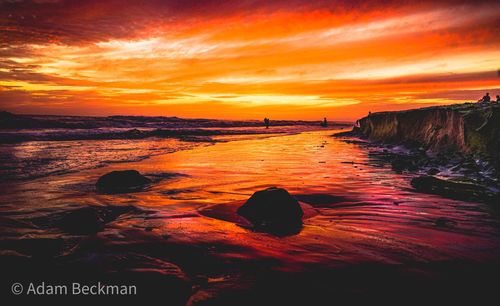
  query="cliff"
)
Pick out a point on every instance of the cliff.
point(468, 128)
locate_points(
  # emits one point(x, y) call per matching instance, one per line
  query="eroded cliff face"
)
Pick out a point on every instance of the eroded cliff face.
point(468, 128)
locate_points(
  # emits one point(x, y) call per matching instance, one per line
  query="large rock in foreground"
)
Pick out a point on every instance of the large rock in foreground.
point(273, 210)
point(122, 182)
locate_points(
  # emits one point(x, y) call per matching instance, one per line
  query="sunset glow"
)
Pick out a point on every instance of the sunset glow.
point(244, 59)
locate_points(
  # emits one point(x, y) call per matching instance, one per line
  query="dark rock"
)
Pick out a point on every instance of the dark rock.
point(444, 222)
point(433, 171)
point(85, 220)
point(400, 163)
point(122, 182)
point(408, 162)
point(273, 210)
point(455, 190)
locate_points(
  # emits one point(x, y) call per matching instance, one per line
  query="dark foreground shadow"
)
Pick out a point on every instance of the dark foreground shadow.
point(445, 282)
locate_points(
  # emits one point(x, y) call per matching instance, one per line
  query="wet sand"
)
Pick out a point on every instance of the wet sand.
point(365, 231)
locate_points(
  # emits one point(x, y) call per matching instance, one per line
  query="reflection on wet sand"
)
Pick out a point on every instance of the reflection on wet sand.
point(362, 219)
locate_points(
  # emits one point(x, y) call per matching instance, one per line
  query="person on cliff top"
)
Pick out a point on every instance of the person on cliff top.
point(485, 99)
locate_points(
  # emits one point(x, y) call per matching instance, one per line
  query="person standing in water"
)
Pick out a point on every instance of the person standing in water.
point(266, 122)
point(324, 123)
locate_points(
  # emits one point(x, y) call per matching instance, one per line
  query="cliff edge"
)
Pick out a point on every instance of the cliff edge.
point(469, 128)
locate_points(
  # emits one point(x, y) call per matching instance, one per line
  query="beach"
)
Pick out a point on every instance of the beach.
point(361, 220)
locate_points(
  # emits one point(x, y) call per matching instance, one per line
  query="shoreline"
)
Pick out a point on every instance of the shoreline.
point(453, 148)
point(101, 152)
point(367, 221)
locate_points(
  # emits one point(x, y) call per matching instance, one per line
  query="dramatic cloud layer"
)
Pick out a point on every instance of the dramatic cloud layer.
point(245, 59)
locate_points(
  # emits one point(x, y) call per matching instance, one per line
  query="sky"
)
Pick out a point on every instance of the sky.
point(246, 59)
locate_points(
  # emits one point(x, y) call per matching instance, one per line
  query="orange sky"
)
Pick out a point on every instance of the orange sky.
point(245, 59)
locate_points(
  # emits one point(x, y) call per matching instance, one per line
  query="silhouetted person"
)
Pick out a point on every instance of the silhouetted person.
point(324, 123)
point(498, 99)
point(266, 122)
point(485, 99)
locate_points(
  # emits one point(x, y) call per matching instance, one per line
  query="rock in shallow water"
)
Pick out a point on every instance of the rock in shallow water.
point(122, 182)
point(455, 190)
point(273, 210)
point(85, 220)
point(444, 222)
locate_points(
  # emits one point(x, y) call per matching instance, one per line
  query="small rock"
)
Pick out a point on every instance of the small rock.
point(86, 220)
point(444, 222)
point(404, 163)
point(273, 210)
point(122, 182)
point(433, 171)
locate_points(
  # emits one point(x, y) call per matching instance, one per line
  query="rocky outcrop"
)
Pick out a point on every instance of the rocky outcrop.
point(455, 189)
point(273, 210)
point(122, 182)
point(469, 128)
